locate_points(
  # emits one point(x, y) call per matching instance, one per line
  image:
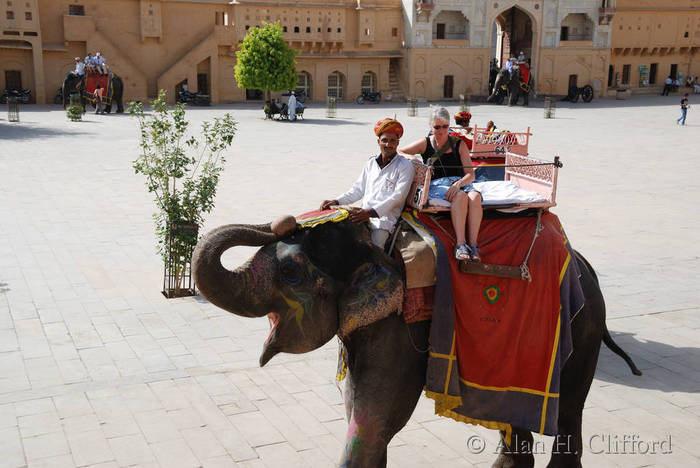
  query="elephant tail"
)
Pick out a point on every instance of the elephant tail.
point(607, 338)
point(610, 343)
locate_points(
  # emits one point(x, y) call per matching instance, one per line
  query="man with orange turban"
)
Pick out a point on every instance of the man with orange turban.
point(382, 186)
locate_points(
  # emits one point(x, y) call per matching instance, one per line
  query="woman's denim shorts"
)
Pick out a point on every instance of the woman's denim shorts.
point(439, 187)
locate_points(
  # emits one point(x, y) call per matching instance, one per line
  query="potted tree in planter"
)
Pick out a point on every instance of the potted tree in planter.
point(75, 110)
point(183, 174)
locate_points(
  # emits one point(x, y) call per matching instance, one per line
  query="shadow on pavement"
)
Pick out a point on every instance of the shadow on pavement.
point(664, 367)
point(21, 131)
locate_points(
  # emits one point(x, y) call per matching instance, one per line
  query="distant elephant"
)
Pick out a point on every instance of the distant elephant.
point(316, 283)
point(73, 83)
point(509, 84)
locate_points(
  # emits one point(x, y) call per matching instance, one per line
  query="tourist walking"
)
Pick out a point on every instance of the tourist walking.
point(684, 110)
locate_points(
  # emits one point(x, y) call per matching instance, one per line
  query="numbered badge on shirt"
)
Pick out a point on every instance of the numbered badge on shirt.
point(389, 185)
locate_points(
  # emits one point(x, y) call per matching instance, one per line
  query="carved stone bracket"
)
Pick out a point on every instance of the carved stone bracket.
point(605, 15)
point(424, 10)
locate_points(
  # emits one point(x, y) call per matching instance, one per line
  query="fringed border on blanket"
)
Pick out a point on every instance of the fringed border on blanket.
point(495, 425)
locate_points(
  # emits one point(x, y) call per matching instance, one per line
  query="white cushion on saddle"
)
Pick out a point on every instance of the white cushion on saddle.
point(498, 192)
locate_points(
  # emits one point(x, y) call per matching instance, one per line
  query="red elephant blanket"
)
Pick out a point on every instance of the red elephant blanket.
point(105, 81)
point(498, 344)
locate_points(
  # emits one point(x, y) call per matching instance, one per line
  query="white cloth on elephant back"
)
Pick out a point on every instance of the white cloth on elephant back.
point(382, 189)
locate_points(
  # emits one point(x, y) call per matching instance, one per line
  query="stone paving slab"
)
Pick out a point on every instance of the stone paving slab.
point(98, 369)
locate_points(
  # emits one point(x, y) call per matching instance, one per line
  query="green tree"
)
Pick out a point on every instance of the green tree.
point(265, 61)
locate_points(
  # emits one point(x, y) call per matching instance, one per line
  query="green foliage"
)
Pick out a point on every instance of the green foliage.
point(265, 61)
point(75, 112)
point(184, 185)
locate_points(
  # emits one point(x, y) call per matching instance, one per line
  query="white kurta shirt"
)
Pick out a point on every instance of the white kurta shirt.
point(382, 189)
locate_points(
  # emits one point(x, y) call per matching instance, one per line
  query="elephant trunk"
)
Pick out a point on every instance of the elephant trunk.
point(227, 289)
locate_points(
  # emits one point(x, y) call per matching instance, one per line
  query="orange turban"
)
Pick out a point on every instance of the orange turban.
point(388, 125)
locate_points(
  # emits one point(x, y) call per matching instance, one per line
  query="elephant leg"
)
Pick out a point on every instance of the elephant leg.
point(577, 375)
point(386, 374)
point(517, 454)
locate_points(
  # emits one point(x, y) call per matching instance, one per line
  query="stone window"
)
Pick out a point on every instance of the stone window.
point(626, 73)
point(308, 29)
point(304, 83)
point(10, 15)
point(296, 29)
point(394, 32)
point(369, 82)
point(28, 16)
point(76, 10)
point(336, 80)
point(577, 27)
point(450, 24)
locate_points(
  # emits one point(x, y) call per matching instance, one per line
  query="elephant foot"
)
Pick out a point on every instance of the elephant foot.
point(516, 460)
point(565, 461)
point(517, 454)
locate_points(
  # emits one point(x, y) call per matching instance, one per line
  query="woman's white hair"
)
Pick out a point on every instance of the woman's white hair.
point(438, 113)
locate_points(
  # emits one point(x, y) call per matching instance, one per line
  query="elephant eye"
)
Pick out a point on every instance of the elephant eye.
point(291, 273)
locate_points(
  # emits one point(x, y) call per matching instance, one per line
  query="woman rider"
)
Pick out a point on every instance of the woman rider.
point(452, 177)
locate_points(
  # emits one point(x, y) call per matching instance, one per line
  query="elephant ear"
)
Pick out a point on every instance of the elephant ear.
point(374, 292)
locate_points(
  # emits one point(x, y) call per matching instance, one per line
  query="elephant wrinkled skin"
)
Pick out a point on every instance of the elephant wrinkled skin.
point(315, 283)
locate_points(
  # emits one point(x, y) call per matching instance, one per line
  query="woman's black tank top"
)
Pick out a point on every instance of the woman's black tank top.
point(448, 165)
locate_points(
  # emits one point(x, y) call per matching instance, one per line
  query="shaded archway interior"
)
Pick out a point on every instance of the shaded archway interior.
point(512, 34)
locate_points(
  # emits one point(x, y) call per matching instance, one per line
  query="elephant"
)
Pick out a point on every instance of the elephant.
point(316, 283)
point(76, 83)
point(510, 84)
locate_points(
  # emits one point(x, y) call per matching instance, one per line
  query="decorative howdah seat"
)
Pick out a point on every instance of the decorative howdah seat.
point(528, 182)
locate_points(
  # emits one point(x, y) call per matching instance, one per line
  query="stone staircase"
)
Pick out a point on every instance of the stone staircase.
point(397, 93)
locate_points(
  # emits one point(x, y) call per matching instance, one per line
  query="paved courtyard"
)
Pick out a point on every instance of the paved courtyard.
point(98, 369)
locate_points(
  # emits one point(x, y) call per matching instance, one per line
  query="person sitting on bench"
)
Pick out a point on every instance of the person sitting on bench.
point(453, 174)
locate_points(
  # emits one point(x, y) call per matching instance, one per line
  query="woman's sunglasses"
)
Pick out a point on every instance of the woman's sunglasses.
point(438, 127)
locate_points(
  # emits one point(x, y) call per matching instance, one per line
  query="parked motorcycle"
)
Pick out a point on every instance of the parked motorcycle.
point(369, 96)
point(196, 99)
point(22, 95)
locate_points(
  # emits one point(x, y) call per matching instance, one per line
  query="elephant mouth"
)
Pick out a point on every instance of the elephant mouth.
point(269, 349)
point(274, 319)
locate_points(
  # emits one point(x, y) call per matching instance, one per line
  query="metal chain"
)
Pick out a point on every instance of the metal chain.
point(524, 269)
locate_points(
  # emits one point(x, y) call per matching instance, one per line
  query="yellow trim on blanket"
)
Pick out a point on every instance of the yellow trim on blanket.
point(442, 356)
point(496, 425)
point(563, 269)
point(551, 370)
point(555, 346)
point(510, 389)
point(444, 402)
point(449, 366)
